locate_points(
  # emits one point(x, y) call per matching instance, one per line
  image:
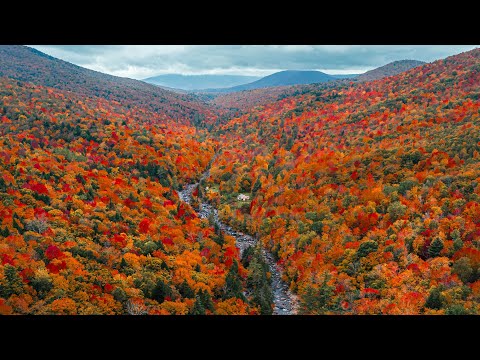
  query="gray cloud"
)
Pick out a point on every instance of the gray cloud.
point(141, 61)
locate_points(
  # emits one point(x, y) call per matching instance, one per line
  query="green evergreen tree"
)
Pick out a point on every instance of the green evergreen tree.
point(457, 244)
point(256, 186)
point(42, 286)
point(161, 291)
point(17, 226)
point(435, 248)
point(462, 267)
point(119, 294)
point(185, 290)
point(233, 283)
point(257, 280)
point(5, 232)
point(90, 195)
point(219, 238)
point(3, 185)
point(435, 299)
point(366, 248)
point(206, 300)
point(457, 240)
point(457, 309)
point(198, 308)
point(247, 256)
point(13, 283)
point(125, 268)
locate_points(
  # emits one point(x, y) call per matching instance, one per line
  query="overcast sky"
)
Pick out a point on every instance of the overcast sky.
point(141, 61)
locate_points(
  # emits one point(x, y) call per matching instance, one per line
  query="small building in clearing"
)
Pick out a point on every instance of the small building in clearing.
point(243, 197)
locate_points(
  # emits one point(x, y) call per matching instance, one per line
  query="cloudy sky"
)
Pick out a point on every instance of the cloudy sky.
point(141, 61)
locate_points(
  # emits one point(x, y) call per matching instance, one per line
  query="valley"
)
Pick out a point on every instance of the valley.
point(345, 197)
point(284, 301)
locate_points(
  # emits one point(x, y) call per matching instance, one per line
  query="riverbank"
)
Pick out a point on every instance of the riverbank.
point(284, 301)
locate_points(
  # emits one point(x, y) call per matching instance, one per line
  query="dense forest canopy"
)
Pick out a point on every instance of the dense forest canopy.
point(367, 194)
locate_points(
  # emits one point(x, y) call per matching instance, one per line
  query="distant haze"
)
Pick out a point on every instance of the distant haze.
point(197, 82)
point(143, 61)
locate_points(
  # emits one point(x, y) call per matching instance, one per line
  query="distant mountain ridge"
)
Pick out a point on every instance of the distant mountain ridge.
point(390, 69)
point(27, 64)
point(197, 82)
point(282, 78)
point(30, 65)
point(260, 96)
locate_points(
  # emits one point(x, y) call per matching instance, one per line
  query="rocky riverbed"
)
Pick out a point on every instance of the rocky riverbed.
point(284, 301)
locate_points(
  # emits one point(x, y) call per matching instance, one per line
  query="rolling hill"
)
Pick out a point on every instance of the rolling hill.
point(197, 82)
point(389, 69)
point(30, 65)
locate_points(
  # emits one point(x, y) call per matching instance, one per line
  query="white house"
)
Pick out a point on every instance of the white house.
point(243, 197)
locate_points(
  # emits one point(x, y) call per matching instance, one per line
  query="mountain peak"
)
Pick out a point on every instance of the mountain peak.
point(284, 78)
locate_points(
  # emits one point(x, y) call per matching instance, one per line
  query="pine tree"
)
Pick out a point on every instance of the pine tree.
point(3, 185)
point(13, 283)
point(457, 240)
point(185, 290)
point(95, 228)
point(219, 238)
point(5, 232)
point(42, 285)
point(257, 280)
point(90, 196)
point(206, 300)
point(263, 297)
point(457, 244)
point(233, 283)
point(161, 291)
point(119, 294)
point(435, 248)
point(257, 186)
point(435, 300)
point(198, 308)
point(18, 227)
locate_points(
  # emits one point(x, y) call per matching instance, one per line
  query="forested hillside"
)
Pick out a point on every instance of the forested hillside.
point(90, 219)
point(366, 193)
point(391, 69)
point(30, 65)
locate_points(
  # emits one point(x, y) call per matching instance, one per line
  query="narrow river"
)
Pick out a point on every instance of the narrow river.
point(284, 301)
